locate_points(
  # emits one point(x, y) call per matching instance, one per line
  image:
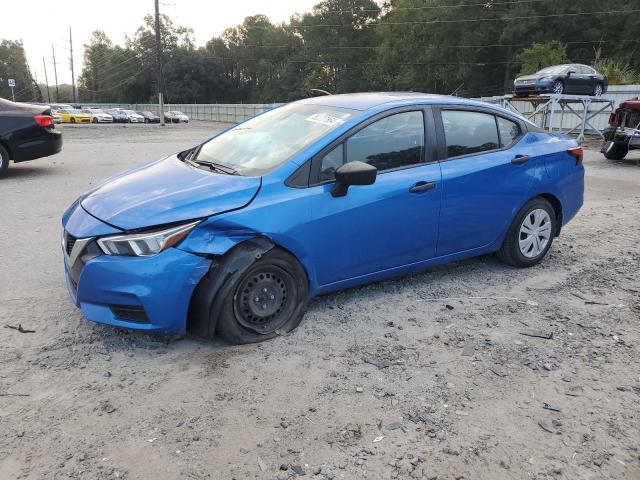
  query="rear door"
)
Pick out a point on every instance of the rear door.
point(393, 222)
point(486, 173)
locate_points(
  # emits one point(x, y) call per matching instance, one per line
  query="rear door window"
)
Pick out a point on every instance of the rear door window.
point(467, 132)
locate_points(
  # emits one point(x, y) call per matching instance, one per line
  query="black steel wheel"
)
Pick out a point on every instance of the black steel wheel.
point(256, 291)
point(264, 299)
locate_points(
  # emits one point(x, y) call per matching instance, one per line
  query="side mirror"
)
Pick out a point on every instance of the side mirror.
point(570, 72)
point(353, 173)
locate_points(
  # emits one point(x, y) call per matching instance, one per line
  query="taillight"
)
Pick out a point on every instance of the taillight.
point(577, 153)
point(44, 120)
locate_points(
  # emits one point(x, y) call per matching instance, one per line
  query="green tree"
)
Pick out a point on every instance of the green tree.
point(13, 64)
point(541, 55)
point(340, 43)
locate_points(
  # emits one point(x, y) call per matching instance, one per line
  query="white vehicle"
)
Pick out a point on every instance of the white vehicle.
point(98, 115)
point(176, 116)
point(133, 117)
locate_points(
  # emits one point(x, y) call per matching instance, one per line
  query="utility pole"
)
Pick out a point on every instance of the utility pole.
point(159, 63)
point(46, 79)
point(55, 72)
point(73, 78)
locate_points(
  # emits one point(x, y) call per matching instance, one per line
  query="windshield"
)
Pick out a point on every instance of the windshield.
point(176, 112)
point(130, 112)
point(95, 110)
point(553, 70)
point(268, 140)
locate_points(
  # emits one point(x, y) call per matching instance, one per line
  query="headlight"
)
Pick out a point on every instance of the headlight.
point(145, 244)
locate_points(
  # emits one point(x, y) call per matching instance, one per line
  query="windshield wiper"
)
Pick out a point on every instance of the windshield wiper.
point(219, 167)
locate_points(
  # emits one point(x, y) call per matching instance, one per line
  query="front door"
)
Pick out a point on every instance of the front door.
point(393, 222)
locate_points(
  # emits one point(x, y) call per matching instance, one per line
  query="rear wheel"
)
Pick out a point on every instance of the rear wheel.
point(617, 151)
point(530, 235)
point(598, 90)
point(94, 120)
point(4, 160)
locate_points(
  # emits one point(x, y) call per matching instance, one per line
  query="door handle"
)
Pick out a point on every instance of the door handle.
point(421, 187)
point(519, 159)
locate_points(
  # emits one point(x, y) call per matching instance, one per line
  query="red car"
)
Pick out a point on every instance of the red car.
point(623, 133)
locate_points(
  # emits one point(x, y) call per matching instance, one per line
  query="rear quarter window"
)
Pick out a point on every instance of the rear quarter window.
point(509, 131)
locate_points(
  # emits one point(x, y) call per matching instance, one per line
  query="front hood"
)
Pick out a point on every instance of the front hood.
point(165, 192)
point(528, 77)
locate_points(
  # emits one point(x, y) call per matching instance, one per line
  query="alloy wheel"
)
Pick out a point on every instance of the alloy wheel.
point(598, 90)
point(558, 87)
point(535, 233)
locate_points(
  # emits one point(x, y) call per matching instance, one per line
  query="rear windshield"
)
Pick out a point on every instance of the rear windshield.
point(268, 140)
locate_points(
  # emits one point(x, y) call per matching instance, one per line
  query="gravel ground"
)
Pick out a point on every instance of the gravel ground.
point(429, 376)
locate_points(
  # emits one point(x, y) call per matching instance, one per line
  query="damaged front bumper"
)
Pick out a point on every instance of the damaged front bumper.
point(143, 293)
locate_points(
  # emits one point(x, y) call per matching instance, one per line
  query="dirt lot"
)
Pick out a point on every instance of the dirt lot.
point(429, 376)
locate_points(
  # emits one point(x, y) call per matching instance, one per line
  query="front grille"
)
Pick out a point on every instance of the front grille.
point(129, 313)
point(69, 242)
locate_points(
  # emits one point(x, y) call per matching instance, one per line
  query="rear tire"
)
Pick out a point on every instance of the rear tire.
point(4, 160)
point(530, 235)
point(598, 90)
point(618, 151)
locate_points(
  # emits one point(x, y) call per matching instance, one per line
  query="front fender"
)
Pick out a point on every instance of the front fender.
point(216, 285)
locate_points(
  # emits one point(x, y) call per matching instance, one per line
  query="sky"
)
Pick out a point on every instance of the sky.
point(41, 24)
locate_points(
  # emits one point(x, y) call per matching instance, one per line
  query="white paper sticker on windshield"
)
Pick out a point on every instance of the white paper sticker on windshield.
point(325, 119)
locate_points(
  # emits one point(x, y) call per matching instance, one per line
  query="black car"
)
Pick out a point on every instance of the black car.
point(118, 115)
point(570, 79)
point(27, 132)
point(149, 117)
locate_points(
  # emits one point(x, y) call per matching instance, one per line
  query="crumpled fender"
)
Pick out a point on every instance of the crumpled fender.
point(210, 294)
point(216, 237)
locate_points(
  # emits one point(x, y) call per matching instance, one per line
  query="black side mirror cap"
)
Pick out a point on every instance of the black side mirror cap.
point(353, 173)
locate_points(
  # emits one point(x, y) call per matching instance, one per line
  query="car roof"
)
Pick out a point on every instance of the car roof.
point(366, 101)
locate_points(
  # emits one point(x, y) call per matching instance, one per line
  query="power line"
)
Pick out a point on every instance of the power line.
point(373, 47)
point(487, 4)
point(433, 22)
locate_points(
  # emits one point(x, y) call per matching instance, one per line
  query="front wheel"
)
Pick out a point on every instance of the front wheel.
point(530, 235)
point(263, 295)
point(558, 87)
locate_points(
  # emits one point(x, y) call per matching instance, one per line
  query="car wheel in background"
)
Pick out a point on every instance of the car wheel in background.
point(558, 87)
point(94, 120)
point(4, 160)
point(617, 151)
point(530, 235)
point(598, 90)
point(72, 120)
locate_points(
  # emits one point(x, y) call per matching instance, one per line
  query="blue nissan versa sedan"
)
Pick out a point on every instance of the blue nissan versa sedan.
point(232, 237)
